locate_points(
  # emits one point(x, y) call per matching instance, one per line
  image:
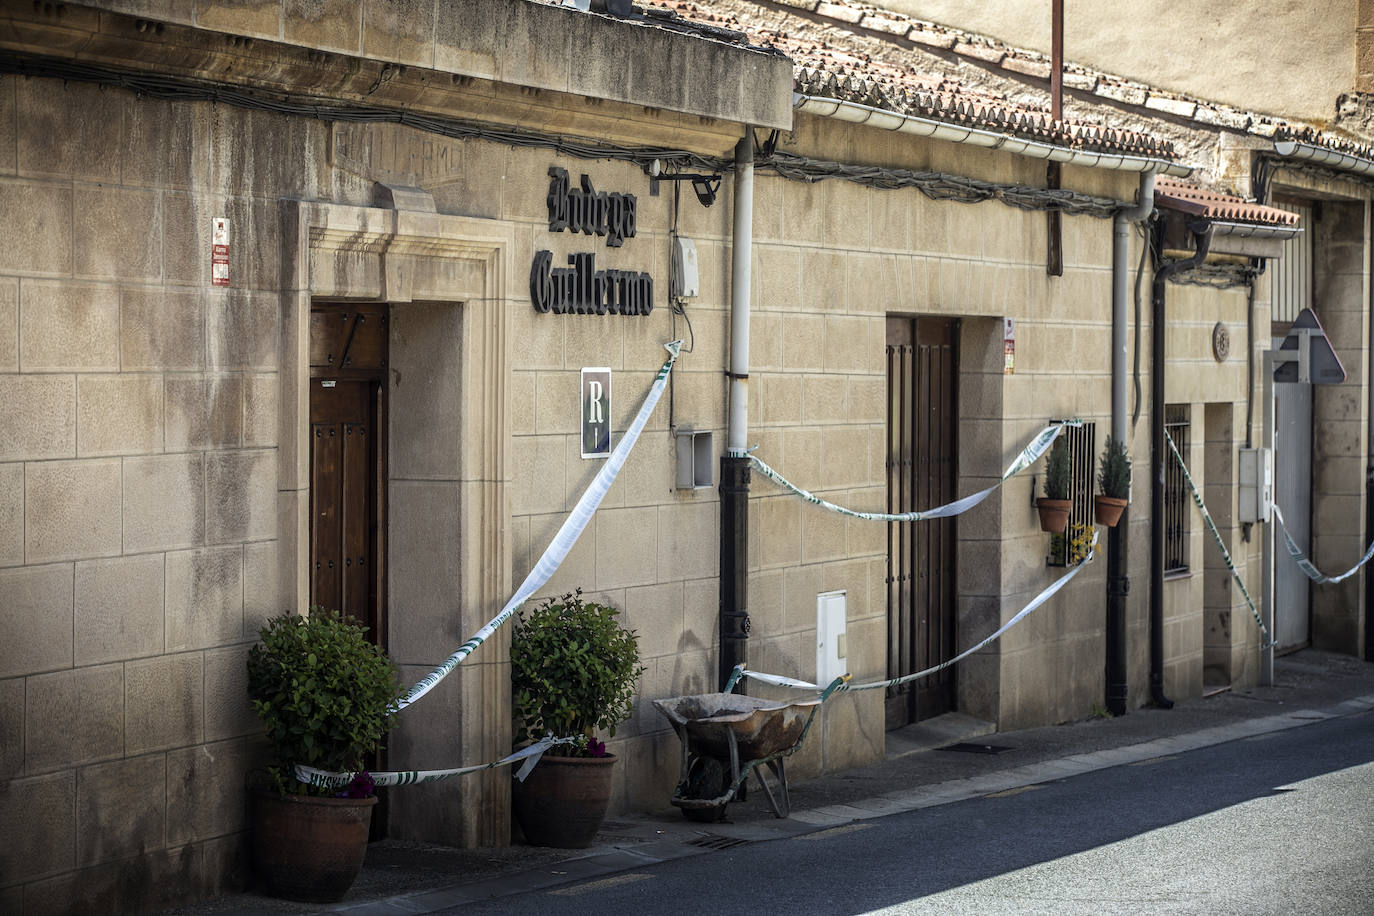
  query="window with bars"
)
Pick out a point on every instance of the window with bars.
point(1176, 499)
point(1081, 441)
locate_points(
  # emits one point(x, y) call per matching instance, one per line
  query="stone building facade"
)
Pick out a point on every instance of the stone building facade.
point(393, 161)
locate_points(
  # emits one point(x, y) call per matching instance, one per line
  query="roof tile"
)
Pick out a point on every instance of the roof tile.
point(841, 12)
point(1197, 201)
point(897, 26)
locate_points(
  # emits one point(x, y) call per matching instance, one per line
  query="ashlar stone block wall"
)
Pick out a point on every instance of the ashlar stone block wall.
point(1340, 420)
point(138, 513)
point(832, 260)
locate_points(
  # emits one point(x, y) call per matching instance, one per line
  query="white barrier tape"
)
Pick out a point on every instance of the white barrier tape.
point(1265, 641)
point(563, 541)
point(1029, 455)
point(325, 779)
point(1022, 614)
point(1305, 564)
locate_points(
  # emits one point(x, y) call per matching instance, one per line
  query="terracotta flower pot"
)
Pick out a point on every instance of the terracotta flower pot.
point(309, 848)
point(1107, 510)
point(1054, 514)
point(563, 801)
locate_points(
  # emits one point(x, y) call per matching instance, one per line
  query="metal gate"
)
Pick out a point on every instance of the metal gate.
point(922, 377)
point(1290, 293)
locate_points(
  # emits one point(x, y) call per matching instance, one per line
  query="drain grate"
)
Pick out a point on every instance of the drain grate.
point(714, 841)
point(964, 747)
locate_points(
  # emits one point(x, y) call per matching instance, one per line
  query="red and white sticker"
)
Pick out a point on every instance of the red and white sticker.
point(1008, 346)
point(219, 252)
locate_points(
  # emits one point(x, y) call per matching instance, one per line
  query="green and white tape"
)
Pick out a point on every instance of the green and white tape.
point(1029, 455)
point(1305, 564)
point(563, 541)
point(1037, 601)
point(1266, 642)
point(325, 779)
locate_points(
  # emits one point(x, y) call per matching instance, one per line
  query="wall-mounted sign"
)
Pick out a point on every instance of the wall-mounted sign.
point(589, 211)
point(1008, 346)
point(596, 412)
point(581, 289)
point(219, 251)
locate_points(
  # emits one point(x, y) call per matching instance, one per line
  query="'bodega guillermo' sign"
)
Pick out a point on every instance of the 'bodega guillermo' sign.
point(581, 289)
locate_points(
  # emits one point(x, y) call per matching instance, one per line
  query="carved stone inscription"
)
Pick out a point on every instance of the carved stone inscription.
point(395, 154)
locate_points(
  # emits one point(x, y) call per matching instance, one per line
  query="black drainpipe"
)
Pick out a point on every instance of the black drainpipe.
point(734, 566)
point(1202, 240)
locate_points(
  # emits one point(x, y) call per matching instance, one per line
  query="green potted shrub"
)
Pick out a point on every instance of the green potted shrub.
point(574, 670)
point(1114, 480)
point(323, 691)
point(1054, 506)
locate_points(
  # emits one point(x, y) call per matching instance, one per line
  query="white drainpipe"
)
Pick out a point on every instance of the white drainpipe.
point(740, 261)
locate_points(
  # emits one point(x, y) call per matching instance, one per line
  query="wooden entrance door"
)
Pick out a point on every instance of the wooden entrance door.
point(347, 461)
point(922, 376)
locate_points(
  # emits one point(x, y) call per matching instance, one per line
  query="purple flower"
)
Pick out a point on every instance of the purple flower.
point(596, 748)
point(362, 786)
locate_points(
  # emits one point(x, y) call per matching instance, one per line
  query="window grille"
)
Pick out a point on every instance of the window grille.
point(1176, 499)
point(1081, 443)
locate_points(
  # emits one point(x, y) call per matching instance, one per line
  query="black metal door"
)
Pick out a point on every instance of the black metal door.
point(922, 377)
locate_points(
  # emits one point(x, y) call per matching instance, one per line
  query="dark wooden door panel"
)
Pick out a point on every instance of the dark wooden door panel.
point(357, 521)
point(325, 476)
point(922, 424)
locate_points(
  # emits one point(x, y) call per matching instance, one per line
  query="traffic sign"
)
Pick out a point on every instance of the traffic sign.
point(1305, 356)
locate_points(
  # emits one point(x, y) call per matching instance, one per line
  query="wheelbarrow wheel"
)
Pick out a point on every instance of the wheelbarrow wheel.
point(706, 778)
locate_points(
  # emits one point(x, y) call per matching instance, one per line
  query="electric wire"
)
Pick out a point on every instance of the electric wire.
point(934, 185)
point(943, 186)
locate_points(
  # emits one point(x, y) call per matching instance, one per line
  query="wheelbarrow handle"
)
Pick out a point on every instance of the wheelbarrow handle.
point(734, 678)
point(840, 683)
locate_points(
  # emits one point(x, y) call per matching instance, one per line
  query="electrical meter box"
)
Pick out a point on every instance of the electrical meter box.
point(696, 457)
point(686, 281)
point(831, 638)
point(1256, 484)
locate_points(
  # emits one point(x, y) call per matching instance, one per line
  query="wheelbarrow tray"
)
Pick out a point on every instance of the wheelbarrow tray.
point(726, 736)
point(762, 728)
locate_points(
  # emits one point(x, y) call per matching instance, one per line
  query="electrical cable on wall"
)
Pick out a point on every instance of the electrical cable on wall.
point(935, 185)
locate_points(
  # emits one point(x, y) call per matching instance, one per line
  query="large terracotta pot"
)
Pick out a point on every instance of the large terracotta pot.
point(563, 801)
point(1054, 514)
point(309, 848)
point(1107, 510)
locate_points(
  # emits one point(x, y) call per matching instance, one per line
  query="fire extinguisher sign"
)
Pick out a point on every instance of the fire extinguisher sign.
point(219, 252)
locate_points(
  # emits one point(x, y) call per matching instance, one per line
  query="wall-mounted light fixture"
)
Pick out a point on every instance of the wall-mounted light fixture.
point(705, 186)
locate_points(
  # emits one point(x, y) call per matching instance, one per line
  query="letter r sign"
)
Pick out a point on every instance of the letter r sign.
point(596, 412)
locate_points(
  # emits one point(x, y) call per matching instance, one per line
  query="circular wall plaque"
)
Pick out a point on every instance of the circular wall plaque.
point(1221, 342)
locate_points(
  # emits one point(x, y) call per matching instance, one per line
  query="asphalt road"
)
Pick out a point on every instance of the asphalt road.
point(1281, 823)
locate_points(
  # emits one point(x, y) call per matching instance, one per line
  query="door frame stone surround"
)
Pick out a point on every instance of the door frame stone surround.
point(402, 251)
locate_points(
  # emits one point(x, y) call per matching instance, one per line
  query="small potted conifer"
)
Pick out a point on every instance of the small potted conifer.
point(1114, 480)
point(574, 671)
point(1054, 506)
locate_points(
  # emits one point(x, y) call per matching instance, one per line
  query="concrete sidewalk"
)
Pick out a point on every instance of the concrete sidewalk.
point(414, 878)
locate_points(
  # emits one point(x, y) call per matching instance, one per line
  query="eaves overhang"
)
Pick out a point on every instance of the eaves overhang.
point(856, 113)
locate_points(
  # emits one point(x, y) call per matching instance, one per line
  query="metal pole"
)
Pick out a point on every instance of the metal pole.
point(1266, 677)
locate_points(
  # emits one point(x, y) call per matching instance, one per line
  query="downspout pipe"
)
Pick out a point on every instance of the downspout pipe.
point(734, 464)
point(1369, 478)
point(1118, 540)
point(1202, 239)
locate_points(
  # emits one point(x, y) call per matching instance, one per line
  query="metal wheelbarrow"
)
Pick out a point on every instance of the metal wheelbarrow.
point(727, 736)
